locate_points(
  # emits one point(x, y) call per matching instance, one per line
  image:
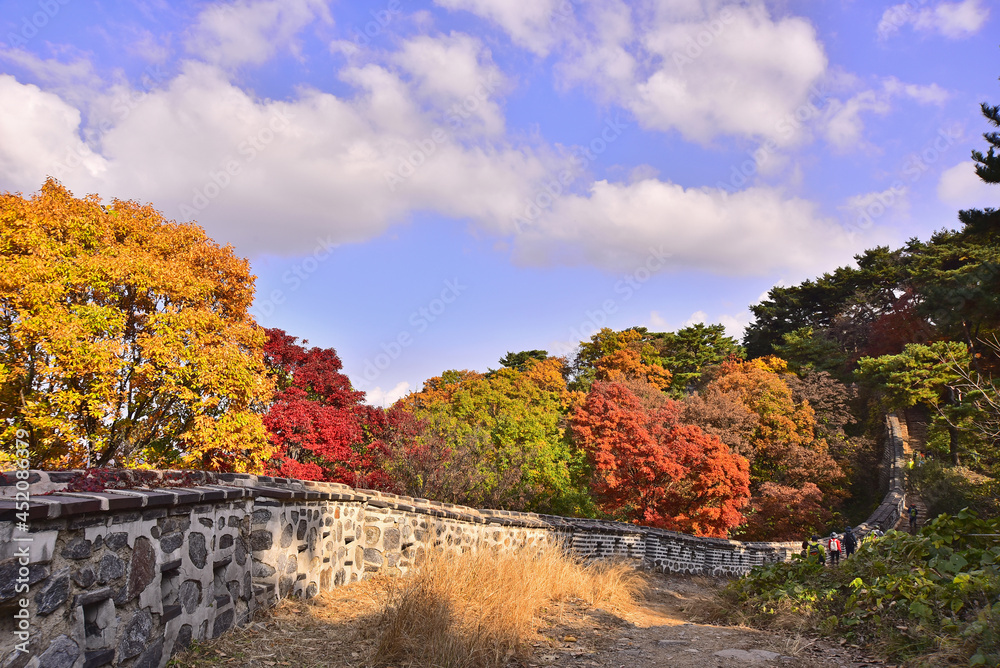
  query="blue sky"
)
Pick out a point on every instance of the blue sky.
point(425, 185)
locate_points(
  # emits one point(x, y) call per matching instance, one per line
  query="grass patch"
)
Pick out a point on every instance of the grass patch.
point(478, 609)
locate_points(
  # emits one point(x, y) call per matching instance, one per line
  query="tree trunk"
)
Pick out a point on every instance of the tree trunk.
point(952, 429)
point(953, 442)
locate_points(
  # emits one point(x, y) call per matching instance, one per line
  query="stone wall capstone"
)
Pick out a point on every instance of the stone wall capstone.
point(128, 577)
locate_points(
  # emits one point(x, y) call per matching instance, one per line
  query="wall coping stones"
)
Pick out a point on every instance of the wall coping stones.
point(153, 498)
point(108, 501)
point(36, 510)
point(65, 505)
point(273, 493)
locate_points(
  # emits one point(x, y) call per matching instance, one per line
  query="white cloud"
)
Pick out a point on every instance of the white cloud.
point(862, 212)
point(780, 283)
point(147, 46)
point(736, 324)
point(199, 146)
point(74, 81)
point(447, 73)
point(844, 128)
point(954, 20)
point(532, 25)
point(961, 187)
point(929, 94)
point(651, 222)
point(702, 70)
point(250, 32)
point(279, 176)
point(696, 318)
point(37, 130)
point(843, 124)
point(657, 321)
point(386, 398)
point(891, 197)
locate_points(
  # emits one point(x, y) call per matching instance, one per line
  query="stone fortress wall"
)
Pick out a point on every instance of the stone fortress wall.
point(128, 577)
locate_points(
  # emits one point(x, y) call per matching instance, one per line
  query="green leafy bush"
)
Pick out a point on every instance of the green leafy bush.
point(933, 598)
point(948, 489)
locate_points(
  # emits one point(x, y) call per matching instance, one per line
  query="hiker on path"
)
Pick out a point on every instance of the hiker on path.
point(834, 549)
point(850, 542)
point(913, 518)
point(816, 551)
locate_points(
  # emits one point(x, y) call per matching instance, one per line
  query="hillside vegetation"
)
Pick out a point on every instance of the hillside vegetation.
point(931, 598)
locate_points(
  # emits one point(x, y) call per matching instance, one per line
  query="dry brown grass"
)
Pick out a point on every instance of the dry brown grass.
point(480, 609)
point(716, 607)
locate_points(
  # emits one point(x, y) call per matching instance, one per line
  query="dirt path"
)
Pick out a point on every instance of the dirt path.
point(657, 633)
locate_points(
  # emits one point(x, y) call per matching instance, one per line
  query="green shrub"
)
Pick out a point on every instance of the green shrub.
point(934, 596)
point(948, 489)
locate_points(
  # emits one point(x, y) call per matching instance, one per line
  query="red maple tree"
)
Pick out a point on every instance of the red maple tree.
point(649, 468)
point(900, 325)
point(318, 421)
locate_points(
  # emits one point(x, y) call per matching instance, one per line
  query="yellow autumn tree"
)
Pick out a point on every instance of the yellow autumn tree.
point(125, 338)
point(617, 356)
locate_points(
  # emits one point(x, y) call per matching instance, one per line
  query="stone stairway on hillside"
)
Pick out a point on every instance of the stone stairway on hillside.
point(914, 432)
point(916, 428)
point(904, 521)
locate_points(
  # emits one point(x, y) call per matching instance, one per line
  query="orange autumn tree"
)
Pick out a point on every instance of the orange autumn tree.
point(650, 469)
point(126, 338)
point(616, 356)
point(796, 483)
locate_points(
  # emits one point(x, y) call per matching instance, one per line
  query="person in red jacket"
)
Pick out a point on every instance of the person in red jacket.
point(834, 549)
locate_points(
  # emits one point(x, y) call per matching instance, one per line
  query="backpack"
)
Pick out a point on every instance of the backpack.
point(813, 549)
point(834, 545)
